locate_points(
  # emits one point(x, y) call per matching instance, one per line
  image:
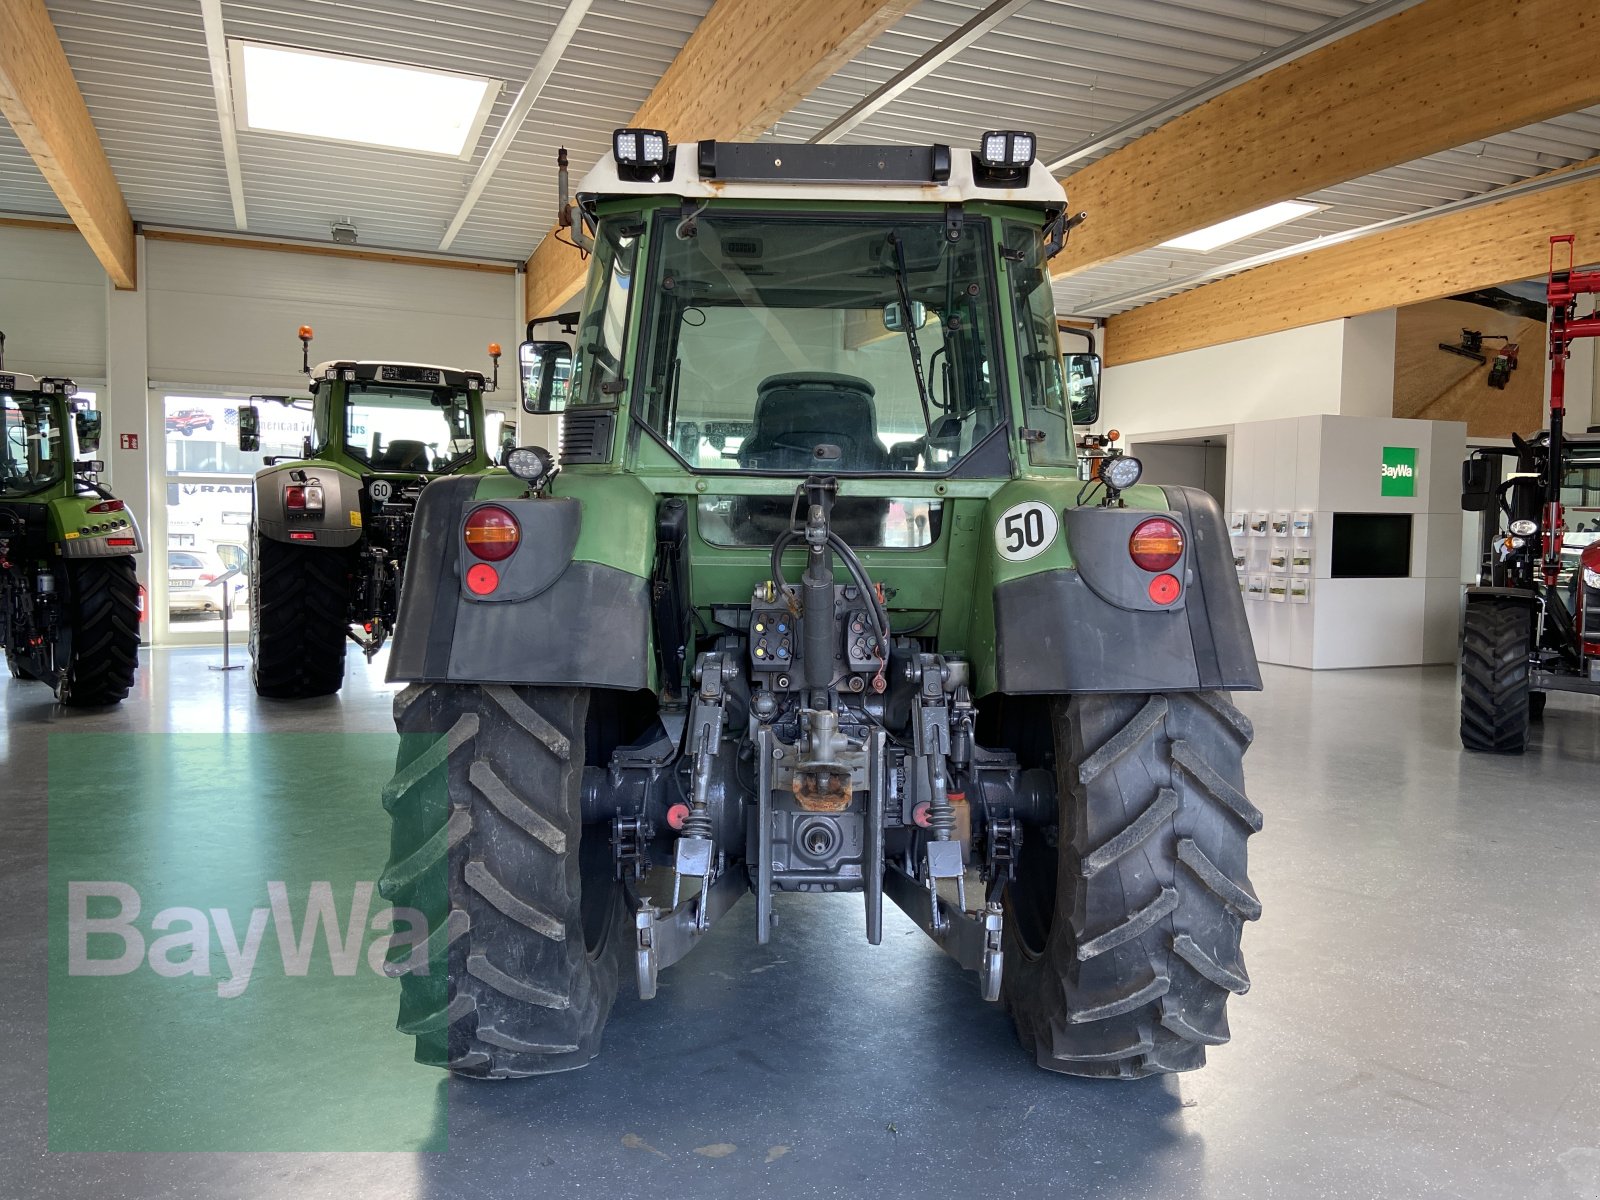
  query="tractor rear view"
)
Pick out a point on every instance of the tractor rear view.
point(69, 596)
point(1533, 621)
point(818, 602)
point(331, 527)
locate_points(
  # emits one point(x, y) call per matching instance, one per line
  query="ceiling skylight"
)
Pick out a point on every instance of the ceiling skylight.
point(1214, 237)
point(333, 97)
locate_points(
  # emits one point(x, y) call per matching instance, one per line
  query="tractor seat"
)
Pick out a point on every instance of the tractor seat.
point(798, 411)
point(401, 455)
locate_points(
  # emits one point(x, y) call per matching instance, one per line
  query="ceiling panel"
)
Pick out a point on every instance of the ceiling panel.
point(22, 188)
point(1069, 69)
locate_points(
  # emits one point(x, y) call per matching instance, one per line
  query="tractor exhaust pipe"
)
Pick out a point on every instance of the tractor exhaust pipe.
point(564, 217)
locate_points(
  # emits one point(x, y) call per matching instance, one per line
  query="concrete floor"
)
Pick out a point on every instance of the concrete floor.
point(1425, 1019)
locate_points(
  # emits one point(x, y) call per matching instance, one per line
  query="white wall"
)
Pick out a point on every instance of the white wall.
point(1344, 366)
point(227, 316)
point(52, 303)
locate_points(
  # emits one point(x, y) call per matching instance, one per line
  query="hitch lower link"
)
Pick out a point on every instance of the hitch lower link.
point(943, 715)
point(665, 933)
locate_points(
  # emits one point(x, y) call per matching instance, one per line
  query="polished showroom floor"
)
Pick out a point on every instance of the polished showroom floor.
point(1425, 1019)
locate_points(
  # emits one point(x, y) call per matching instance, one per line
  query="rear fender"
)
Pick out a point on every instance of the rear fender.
point(81, 533)
point(340, 522)
point(553, 616)
point(1084, 620)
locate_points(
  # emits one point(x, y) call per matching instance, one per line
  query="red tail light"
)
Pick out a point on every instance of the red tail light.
point(1156, 544)
point(492, 533)
point(208, 577)
point(295, 498)
point(106, 506)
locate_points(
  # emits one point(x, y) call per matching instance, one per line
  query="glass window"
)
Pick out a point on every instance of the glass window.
point(33, 451)
point(792, 344)
point(202, 434)
point(408, 429)
point(603, 333)
point(866, 522)
point(1033, 307)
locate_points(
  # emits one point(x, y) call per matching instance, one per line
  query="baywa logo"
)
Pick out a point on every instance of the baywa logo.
point(113, 943)
point(1399, 471)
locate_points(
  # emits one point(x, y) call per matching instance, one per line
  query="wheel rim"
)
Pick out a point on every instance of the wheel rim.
point(598, 890)
point(1031, 896)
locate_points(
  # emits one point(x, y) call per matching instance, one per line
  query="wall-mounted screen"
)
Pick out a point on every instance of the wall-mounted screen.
point(1371, 545)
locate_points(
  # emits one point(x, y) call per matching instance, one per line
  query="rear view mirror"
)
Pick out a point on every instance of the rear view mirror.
point(894, 319)
point(546, 373)
point(88, 422)
point(1480, 480)
point(249, 428)
point(1083, 387)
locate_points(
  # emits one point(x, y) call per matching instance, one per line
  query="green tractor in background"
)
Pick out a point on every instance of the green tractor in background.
point(330, 528)
point(69, 594)
point(819, 599)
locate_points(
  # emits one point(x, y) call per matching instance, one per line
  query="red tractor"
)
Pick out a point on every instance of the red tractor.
point(1533, 619)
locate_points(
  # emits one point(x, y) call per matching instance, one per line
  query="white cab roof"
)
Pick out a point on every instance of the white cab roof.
point(1041, 189)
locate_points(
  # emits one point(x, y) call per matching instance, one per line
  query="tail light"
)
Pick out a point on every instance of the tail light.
point(1156, 544)
point(208, 577)
point(107, 506)
point(492, 533)
point(303, 497)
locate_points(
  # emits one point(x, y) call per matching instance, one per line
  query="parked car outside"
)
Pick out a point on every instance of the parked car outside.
point(187, 420)
point(192, 573)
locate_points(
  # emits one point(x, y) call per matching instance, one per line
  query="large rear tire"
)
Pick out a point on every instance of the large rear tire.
point(299, 619)
point(1122, 941)
point(527, 921)
point(1496, 706)
point(102, 610)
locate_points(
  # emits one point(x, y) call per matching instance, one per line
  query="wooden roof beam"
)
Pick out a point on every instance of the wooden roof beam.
point(746, 64)
point(1442, 74)
point(41, 100)
point(1491, 243)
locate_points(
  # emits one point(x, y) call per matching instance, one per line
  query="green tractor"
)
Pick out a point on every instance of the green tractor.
point(69, 595)
point(330, 528)
point(818, 600)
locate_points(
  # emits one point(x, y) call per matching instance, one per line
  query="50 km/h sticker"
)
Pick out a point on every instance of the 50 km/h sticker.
point(1025, 530)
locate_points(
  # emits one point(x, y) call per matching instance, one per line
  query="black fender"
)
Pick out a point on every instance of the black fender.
point(1092, 628)
point(552, 619)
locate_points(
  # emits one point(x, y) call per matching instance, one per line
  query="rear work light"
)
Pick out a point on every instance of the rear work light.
point(492, 533)
point(1156, 544)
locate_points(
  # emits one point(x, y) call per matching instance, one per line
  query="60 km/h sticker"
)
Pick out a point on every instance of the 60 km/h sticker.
point(1025, 530)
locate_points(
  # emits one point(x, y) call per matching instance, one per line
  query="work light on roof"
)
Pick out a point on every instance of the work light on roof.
point(639, 147)
point(1007, 148)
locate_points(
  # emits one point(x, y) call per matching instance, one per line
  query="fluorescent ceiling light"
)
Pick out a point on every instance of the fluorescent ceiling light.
point(333, 97)
point(1214, 237)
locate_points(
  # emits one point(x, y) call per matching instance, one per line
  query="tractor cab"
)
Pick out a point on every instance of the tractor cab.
point(331, 527)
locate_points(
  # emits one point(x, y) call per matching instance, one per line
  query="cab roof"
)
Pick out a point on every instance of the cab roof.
point(938, 174)
point(402, 374)
point(17, 381)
